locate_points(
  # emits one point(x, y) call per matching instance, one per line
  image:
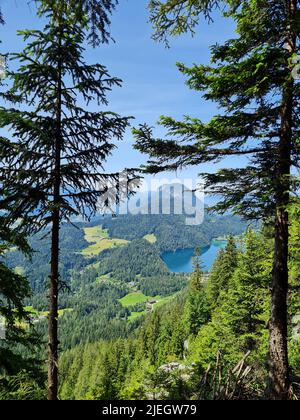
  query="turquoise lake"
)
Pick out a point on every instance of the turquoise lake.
point(181, 261)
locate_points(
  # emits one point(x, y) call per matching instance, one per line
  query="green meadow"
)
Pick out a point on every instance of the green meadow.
point(100, 241)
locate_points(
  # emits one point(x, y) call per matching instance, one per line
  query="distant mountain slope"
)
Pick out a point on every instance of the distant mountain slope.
point(171, 231)
point(167, 232)
point(138, 258)
point(98, 277)
point(37, 268)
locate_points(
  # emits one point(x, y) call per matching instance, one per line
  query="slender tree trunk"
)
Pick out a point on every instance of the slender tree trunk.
point(279, 383)
point(53, 312)
point(54, 278)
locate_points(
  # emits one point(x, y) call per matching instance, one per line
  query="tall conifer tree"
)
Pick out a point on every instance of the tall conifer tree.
point(14, 288)
point(197, 308)
point(245, 302)
point(252, 79)
point(53, 167)
point(222, 271)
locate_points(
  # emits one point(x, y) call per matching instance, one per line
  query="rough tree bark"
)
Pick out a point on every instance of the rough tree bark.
point(279, 383)
point(54, 278)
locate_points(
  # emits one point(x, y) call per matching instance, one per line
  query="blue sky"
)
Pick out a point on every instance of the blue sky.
point(152, 85)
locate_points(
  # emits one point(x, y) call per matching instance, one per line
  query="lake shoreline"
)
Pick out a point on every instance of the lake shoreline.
point(181, 260)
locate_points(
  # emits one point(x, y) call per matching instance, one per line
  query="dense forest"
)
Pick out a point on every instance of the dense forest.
point(204, 333)
point(94, 284)
point(89, 307)
point(172, 232)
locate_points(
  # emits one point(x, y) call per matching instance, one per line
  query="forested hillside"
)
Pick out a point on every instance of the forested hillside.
point(36, 268)
point(143, 260)
point(172, 232)
point(96, 276)
point(106, 283)
point(204, 333)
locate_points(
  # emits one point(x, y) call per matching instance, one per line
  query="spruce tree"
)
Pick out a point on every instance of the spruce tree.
point(251, 78)
point(14, 289)
point(246, 301)
point(197, 305)
point(222, 272)
point(53, 167)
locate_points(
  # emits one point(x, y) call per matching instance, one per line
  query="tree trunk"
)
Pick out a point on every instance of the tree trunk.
point(54, 278)
point(279, 383)
point(54, 282)
point(53, 313)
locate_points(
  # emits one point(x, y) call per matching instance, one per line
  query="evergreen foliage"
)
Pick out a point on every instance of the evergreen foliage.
point(173, 357)
point(251, 78)
point(218, 336)
point(14, 289)
point(198, 310)
point(171, 231)
point(222, 271)
point(176, 17)
point(53, 166)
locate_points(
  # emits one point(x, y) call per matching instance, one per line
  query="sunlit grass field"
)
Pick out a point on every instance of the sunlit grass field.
point(138, 297)
point(151, 238)
point(133, 298)
point(100, 241)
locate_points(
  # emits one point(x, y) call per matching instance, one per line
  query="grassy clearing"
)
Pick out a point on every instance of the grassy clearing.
point(61, 312)
point(138, 297)
point(35, 316)
point(92, 234)
point(133, 298)
point(33, 312)
point(100, 241)
point(151, 238)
